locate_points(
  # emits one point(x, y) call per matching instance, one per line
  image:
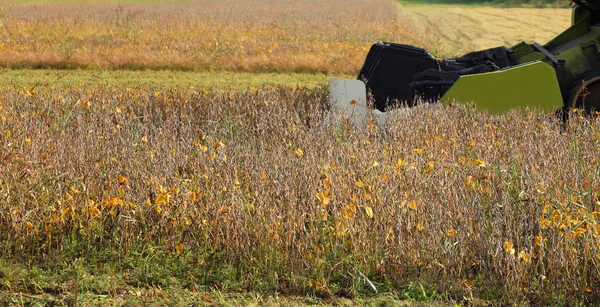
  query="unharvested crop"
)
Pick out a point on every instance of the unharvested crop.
point(104, 187)
point(263, 35)
point(258, 190)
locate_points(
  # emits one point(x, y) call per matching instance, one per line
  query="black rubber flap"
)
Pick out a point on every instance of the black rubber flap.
point(388, 70)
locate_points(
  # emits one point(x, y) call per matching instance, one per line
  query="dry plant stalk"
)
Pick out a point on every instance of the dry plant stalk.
point(259, 182)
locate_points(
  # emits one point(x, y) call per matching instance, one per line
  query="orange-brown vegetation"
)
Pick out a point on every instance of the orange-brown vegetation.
point(256, 190)
point(263, 35)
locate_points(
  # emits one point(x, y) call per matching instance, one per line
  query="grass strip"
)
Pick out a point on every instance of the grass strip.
point(162, 79)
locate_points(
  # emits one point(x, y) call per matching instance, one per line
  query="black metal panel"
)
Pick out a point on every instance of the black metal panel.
point(390, 68)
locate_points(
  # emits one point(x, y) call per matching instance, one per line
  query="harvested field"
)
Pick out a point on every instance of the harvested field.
point(456, 30)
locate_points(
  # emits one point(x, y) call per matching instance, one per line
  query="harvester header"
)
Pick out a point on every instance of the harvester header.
point(563, 73)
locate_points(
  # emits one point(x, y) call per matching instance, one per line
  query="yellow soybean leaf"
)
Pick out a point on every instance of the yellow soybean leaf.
point(556, 215)
point(179, 248)
point(509, 247)
point(66, 211)
point(580, 230)
point(369, 211)
point(162, 189)
point(326, 183)
point(348, 211)
point(545, 223)
point(429, 168)
point(162, 199)
point(524, 256)
point(471, 181)
point(400, 163)
point(324, 197)
point(413, 205)
point(115, 202)
point(93, 211)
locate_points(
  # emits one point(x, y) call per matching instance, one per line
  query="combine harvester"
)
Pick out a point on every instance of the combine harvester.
point(563, 73)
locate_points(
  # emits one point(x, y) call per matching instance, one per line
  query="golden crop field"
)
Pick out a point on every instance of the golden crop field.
point(112, 193)
point(257, 36)
point(236, 35)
